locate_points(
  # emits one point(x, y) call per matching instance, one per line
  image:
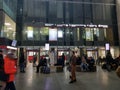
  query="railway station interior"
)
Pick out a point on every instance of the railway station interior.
point(50, 28)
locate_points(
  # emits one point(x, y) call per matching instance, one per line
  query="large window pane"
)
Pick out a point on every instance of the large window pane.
point(52, 12)
point(78, 13)
point(9, 28)
point(102, 33)
point(44, 33)
point(10, 7)
point(36, 33)
point(98, 15)
point(89, 34)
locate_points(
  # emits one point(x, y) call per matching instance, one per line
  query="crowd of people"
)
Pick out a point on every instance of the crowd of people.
point(109, 63)
point(87, 64)
point(8, 66)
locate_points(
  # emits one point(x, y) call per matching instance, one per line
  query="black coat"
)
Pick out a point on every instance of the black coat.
point(22, 58)
point(1, 62)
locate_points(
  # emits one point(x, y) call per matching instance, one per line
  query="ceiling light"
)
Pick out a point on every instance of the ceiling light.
point(9, 28)
point(7, 24)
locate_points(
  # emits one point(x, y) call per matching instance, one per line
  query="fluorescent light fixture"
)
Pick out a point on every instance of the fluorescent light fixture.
point(9, 28)
point(9, 47)
point(7, 24)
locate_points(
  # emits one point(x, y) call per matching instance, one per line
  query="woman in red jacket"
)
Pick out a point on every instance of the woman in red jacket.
point(10, 68)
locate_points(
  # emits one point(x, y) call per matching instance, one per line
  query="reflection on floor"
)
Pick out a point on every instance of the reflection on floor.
point(100, 80)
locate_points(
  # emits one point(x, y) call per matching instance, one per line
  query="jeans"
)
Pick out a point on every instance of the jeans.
point(22, 67)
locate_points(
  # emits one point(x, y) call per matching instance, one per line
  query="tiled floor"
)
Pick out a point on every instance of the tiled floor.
point(100, 80)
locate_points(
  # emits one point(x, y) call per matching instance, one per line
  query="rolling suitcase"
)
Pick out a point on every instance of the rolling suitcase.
point(45, 69)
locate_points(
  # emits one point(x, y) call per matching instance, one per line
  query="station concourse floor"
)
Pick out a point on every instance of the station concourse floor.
point(99, 80)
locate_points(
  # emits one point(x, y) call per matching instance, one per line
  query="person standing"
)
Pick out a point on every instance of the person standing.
point(109, 61)
point(40, 63)
point(73, 67)
point(10, 68)
point(63, 60)
point(22, 63)
point(34, 60)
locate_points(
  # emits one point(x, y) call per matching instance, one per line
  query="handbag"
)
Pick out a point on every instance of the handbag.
point(4, 76)
point(69, 68)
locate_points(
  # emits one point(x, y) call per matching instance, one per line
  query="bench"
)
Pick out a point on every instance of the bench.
point(59, 68)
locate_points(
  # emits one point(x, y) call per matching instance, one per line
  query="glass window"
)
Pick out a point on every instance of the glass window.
point(36, 33)
point(52, 12)
point(60, 10)
point(10, 7)
point(78, 13)
point(107, 12)
point(78, 34)
point(83, 33)
point(39, 9)
point(89, 34)
point(9, 29)
point(68, 34)
point(96, 34)
point(99, 34)
point(98, 15)
point(44, 32)
point(30, 32)
point(71, 36)
point(67, 13)
point(1, 3)
point(102, 33)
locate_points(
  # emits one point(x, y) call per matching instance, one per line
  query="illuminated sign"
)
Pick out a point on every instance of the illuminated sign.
point(60, 34)
point(30, 32)
point(14, 42)
point(47, 46)
point(52, 34)
point(107, 46)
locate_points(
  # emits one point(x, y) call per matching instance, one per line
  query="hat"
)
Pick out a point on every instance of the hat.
point(10, 53)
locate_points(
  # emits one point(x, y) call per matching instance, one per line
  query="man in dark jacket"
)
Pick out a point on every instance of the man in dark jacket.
point(63, 59)
point(109, 61)
point(22, 63)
